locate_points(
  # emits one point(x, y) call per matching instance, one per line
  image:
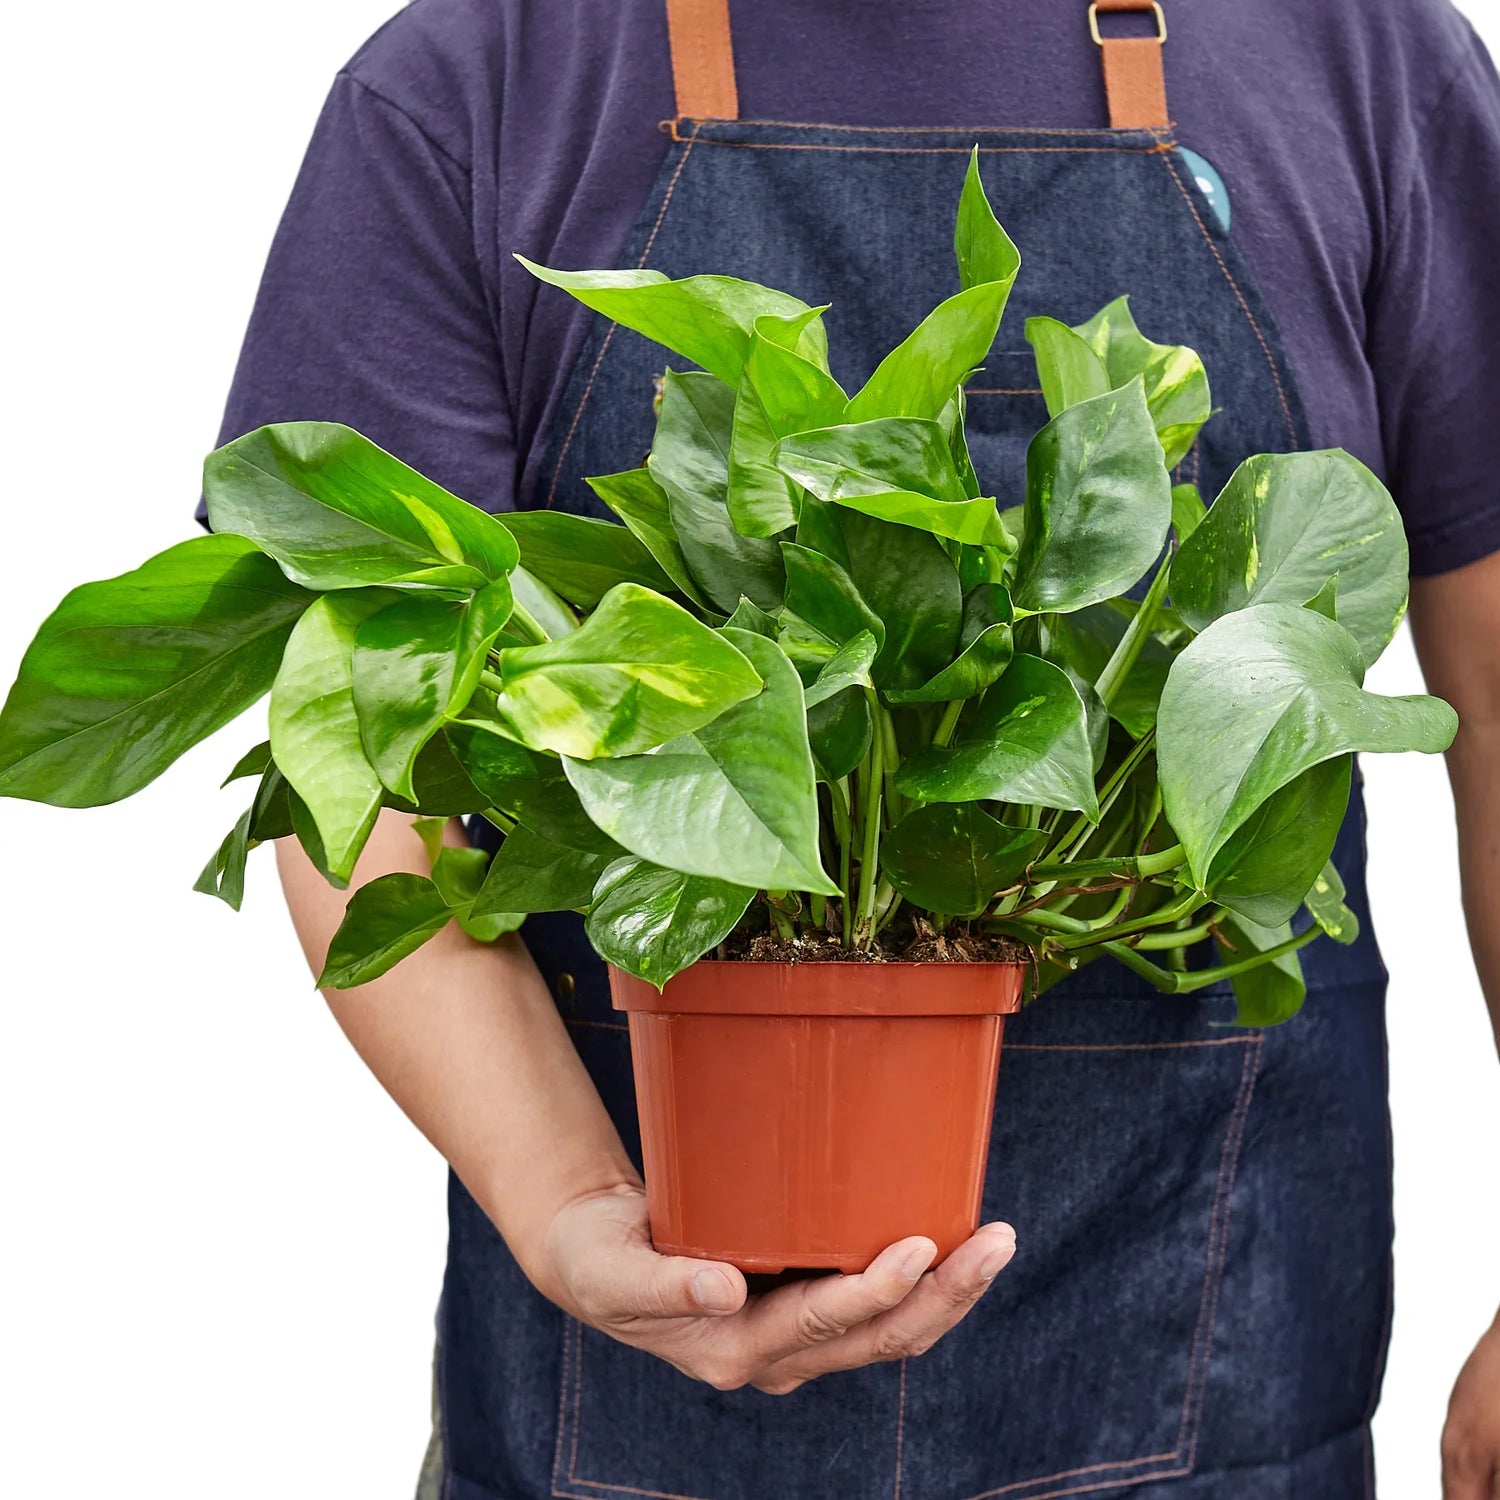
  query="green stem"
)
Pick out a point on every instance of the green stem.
point(817, 906)
point(1181, 937)
point(783, 923)
point(1172, 912)
point(885, 726)
point(948, 722)
point(1081, 827)
point(492, 680)
point(497, 819)
point(1137, 633)
point(524, 624)
point(1119, 867)
point(838, 800)
point(870, 852)
point(1178, 982)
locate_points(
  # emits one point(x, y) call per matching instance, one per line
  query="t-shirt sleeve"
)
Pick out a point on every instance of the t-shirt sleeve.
point(373, 311)
point(1434, 324)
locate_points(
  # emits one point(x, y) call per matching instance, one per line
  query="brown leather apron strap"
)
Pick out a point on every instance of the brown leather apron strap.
point(1134, 81)
point(702, 59)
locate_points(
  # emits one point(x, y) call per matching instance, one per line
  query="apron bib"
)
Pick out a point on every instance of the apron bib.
point(1198, 1307)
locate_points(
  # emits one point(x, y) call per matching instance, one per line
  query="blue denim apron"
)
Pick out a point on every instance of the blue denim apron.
point(1199, 1303)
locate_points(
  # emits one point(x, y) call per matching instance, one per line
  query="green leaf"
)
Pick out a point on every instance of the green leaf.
point(531, 873)
point(441, 787)
point(899, 469)
point(1326, 600)
point(1085, 641)
point(128, 673)
point(430, 831)
point(460, 875)
point(839, 730)
point(1098, 504)
point(954, 858)
point(1325, 904)
point(779, 393)
point(1270, 862)
point(527, 784)
point(542, 604)
point(735, 800)
point(582, 558)
point(653, 922)
point(1284, 524)
point(1175, 381)
point(820, 593)
point(315, 734)
point(385, 920)
point(337, 512)
point(917, 378)
point(690, 461)
point(982, 248)
point(638, 672)
point(1029, 743)
point(912, 586)
point(707, 319)
point(951, 419)
point(1066, 364)
point(252, 763)
point(986, 651)
point(848, 667)
point(224, 875)
point(416, 663)
point(1188, 511)
point(1272, 992)
point(271, 812)
point(642, 504)
point(1261, 696)
point(748, 615)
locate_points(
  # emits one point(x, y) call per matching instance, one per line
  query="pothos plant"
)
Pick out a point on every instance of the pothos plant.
point(814, 682)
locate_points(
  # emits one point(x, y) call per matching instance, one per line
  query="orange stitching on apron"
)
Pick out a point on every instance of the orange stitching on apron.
point(1025, 390)
point(708, 140)
point(1239, 297)
point(1108, 131)
point(900, 1430)
point(588, 389)
point(562, 1399)
point(1223, 1041)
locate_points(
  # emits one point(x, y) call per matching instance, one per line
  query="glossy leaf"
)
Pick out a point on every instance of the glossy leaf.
point(1098, 504)
point(337, 512)
point(821, 593)
point(638, 672)
point(1271, 861)
point(690, 461)
point(653, 922)
point(315, 734)
point(128, 673)
point(1029, 743)
point(707, 319)
point(387, 919)
point(1066, 365)
point(642, 504)
point(910, 583)
point(1175, 381)
point(839, 731)
point(1272, 992)
point(952, 419)
point(531, 873)
point(581, 558)
point(252, 763)
point(441, 788)
point(736, 800)
point(986, 648)
point(954, 858)
point(1326, 905)
point(224, 875)
point(1188, 511)
point(1263, 695)
point(459, 874)
point(917, 378)
point(779, 393)
point(1284, 524)
point(551, 613)
point(848, 667)
point(1085, 641)
point(748, 615)
point(899, 469)
point(416, 663)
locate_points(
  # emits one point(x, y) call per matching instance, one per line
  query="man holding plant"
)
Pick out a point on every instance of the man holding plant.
point(1022, 719)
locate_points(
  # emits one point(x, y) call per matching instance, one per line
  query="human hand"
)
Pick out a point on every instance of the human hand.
point(698, 1315)
point(1471, 1435)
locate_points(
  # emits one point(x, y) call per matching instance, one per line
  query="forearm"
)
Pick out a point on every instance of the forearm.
point(1474, 767)
point(467, 1040)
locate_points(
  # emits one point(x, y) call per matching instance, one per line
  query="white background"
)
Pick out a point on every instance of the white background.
point(221, 1244)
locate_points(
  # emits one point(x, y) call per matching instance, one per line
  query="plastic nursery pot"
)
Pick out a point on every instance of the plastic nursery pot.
point(810, 1114)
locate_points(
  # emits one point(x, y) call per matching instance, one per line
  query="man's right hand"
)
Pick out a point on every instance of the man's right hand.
point(599, 1265)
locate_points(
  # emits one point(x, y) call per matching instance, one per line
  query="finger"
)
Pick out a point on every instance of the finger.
point(624, 1283)
point(937, 1304)
point(806, 1313)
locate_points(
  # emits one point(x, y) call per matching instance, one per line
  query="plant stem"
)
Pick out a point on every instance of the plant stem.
point(870, 853)
point(1181, 937)
point(526, 626)
point(1080, 829)
point(946, 725)
point(1179, 982)
point(492, 680)
point(817, 907)
point(1172, 912)
point(1137, 633)
point(838, 801)
point(1120, 867)
point(885, 726)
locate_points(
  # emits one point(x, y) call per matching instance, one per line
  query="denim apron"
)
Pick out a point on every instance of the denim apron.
point(1199, 1303)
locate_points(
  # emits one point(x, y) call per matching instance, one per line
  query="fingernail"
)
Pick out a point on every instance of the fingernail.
point(993, 1263)
point(917, 1262)
point(712, 1291)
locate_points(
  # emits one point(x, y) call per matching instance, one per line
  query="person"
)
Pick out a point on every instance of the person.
point(1200, 1304)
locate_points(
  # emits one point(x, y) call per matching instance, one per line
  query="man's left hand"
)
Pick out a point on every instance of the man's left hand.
point(1471, 1435)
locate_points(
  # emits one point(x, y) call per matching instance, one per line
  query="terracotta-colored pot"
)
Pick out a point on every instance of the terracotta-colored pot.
point(812, 1114)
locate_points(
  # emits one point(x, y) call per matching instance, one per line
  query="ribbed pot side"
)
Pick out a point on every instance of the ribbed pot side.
point(810, 1114)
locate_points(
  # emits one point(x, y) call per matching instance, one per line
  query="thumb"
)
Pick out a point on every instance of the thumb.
point(649, 1285)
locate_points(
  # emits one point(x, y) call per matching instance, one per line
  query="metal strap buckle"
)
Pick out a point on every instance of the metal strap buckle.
point(1155, 7)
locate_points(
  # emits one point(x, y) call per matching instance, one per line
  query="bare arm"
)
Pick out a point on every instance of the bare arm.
point(467, 1040)
point(1455, 618)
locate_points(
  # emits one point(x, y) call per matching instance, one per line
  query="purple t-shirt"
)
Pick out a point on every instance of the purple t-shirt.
point(1359, 139)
